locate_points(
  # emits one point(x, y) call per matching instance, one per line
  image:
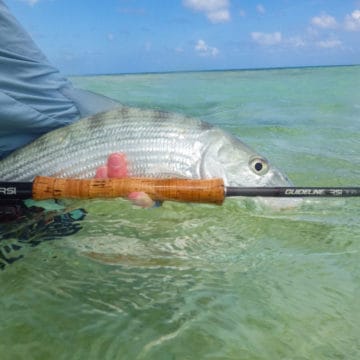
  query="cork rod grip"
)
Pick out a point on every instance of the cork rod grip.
point(184, 190)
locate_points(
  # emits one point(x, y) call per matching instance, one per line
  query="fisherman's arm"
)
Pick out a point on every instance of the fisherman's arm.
point(35, 97)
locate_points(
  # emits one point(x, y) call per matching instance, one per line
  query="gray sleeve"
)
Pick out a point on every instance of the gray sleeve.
point(34, 97)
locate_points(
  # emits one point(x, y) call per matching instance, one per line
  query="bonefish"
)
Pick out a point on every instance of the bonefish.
point(156, 144)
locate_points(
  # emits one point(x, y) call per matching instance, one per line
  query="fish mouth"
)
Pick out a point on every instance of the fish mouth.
point(278, 178)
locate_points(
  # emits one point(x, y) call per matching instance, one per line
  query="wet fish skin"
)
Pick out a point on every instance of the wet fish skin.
point(156, 143)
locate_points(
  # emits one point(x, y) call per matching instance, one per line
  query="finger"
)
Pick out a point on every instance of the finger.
point(117, 166)
point(141, 199)
point(101, 172)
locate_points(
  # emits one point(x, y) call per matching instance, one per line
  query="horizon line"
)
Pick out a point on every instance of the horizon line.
point(211, 70)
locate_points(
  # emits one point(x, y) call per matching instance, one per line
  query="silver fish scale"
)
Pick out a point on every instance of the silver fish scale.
point(157, 144)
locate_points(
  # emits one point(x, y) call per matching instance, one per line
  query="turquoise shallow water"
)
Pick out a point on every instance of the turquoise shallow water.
point(206, 282)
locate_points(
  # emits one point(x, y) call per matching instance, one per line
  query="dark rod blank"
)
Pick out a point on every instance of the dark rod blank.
point(15, 190)
point(293, 191)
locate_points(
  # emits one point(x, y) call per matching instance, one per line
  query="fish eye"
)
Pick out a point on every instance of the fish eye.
point(259, 166)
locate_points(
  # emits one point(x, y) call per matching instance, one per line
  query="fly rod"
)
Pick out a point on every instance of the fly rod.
point(185, 190)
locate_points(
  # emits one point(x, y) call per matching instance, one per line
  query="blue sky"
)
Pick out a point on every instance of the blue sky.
point(124, 36)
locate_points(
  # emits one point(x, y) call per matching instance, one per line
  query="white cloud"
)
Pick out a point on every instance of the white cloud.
point(260, 9)
point(219, 16)
point(204, 49)
point(324, 21)
point(110, 36)
point(148, 46)
point(296, 41)
point(132, 10)
point(352, 21)
point(267, 39)
point(31, 2)
point(328, 44)
point(312, 32)
point(217, 11)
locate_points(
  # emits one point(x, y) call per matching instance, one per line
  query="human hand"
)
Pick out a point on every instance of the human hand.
point(116, 167)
